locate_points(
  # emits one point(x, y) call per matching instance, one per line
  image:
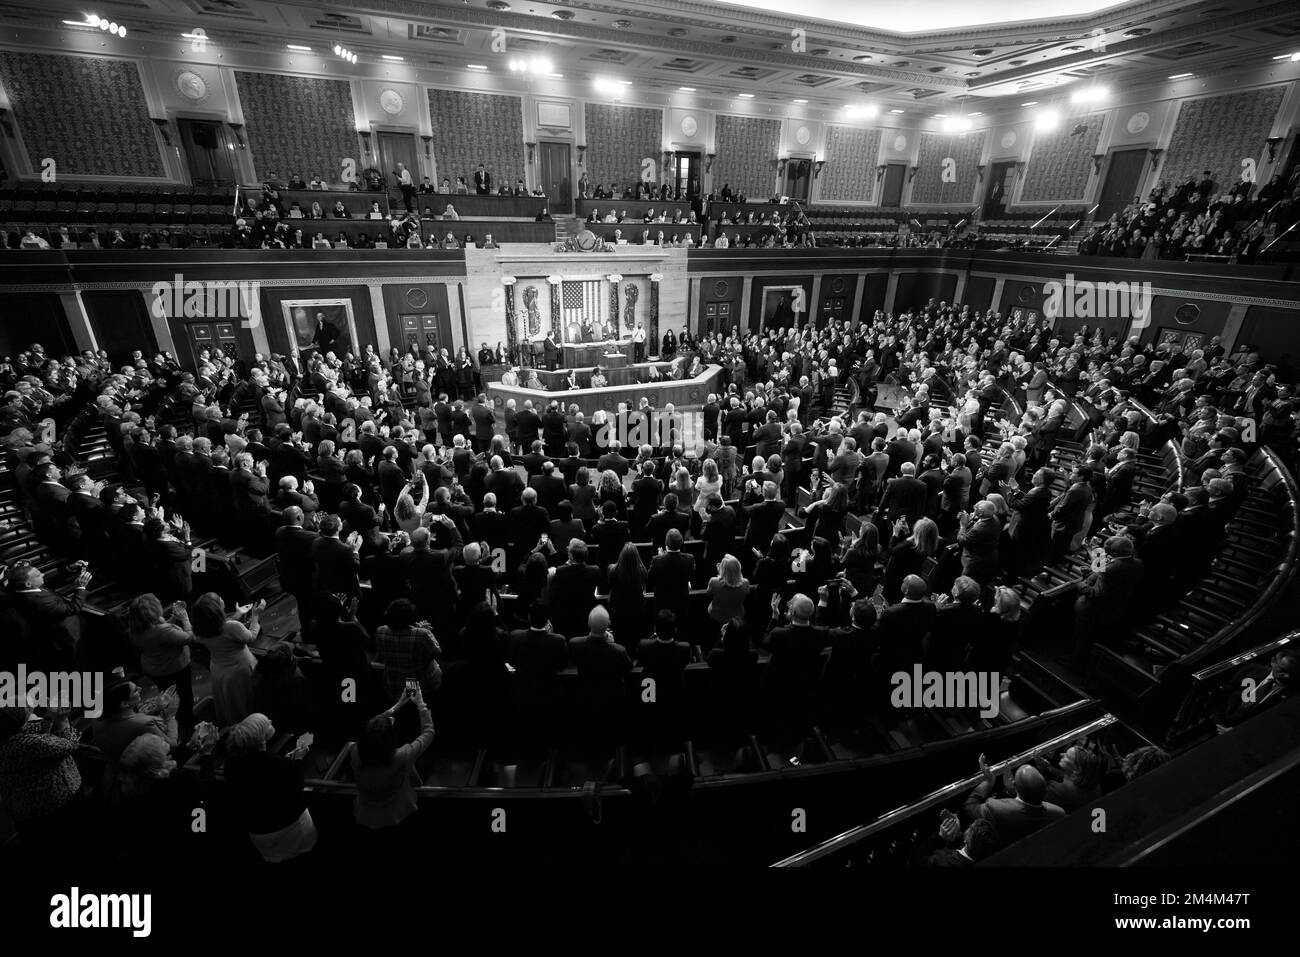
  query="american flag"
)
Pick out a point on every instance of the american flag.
point(581, 300)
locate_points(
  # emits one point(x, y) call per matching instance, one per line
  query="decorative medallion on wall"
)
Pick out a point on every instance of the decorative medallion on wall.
point(1138, 122)
point(802, 135)
point(416, 297)
point(720, 288)
point(391, 102)
point(690, 126)
point(1008, 139)
point(1187, 313)
point(837, 285)
point(191, 86)
point(1026, 293)
point(900, 143)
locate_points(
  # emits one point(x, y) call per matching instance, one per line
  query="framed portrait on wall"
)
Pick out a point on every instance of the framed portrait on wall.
point(778, 306)
point(319, 326)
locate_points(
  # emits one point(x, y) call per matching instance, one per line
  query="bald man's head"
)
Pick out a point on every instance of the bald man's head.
point(1030, 786)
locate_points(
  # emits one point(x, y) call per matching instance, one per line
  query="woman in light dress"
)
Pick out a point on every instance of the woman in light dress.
point(228, 640)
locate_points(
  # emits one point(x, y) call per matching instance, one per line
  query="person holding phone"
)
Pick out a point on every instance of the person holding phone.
point(383, 770)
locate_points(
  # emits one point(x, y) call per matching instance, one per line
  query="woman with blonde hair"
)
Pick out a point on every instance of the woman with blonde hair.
point(908, 555)
point(611, 490)
point(728, 591)
point(683, 488)
point(709, 481)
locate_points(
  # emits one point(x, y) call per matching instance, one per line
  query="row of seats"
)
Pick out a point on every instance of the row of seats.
point(109, 205)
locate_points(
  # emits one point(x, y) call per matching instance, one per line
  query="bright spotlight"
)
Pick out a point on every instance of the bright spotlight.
point(1047, 120)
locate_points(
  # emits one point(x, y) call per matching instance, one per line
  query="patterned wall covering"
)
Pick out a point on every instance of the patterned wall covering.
point(1060, 163)
point(1218, 132)
point(88, 113)
point(473, 128)
point(928, 186)
point(299, 124)
point(618, 138)
point(746, 148)
point(850, 173)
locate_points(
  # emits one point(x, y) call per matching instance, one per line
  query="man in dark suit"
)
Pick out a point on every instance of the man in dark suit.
point(571, 593)
point(529, 521)
point(484, 420)
point(900, 450)
point(550, 352)
point(1105, 598)
point(433, 587)
point(646, 490)
point(482, 181)
point(1258, 686)
point(666, 519)
point(957, 625)
point(610, 533)
point(54, 621)
point(902, 629)
point(904, 496)
point(614, 460)
point(538, 655)
point(794, 669)
point(293, 554)
point(602, 666)
point(671, 573)
point(505, 484)
point(579, 434)
point(1160, 549)
point(978, 842)
point(570, 464)
point(491, 525)
point(663, 659)
point(763, 519)
point(527, 425)
point(1068, 512)
point(979, 536)
point(335, 563)
point(767, 437)
point(550, 487)
point(554, 430)
point(1015, 817)
point(719, 531)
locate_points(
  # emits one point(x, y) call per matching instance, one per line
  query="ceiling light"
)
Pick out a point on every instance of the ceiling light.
point(1181, 76)
point(976, 113)
point(1090, 94)
point(745, 96)
point(556, 76)
point(299, 47)
point(800, 101)
point(1030, 103)
point(394, 59)
point(338, 50)
point(896, 111)
point(686, 89)
point(941, 116)
point(1047, 120)
point(1295, 57)
point(476, 66)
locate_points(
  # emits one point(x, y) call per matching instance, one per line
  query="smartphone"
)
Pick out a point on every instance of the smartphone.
point(412, 686)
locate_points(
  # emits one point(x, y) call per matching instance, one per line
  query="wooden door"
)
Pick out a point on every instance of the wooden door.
point(891, 197)
point(557, 176)
point(1123, 180)
point(206, 146)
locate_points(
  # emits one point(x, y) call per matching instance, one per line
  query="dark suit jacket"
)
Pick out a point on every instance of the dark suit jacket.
point(658, 525)
point(670, 580)
point(507, 486)
point(528, 523)
point(602, 665)
point(335, 566)
point(571, 594)
point(904, 496)
point(492, 527)
point(550, 491)
point(293, 549)
point(902, 629)
point(1012, 818)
